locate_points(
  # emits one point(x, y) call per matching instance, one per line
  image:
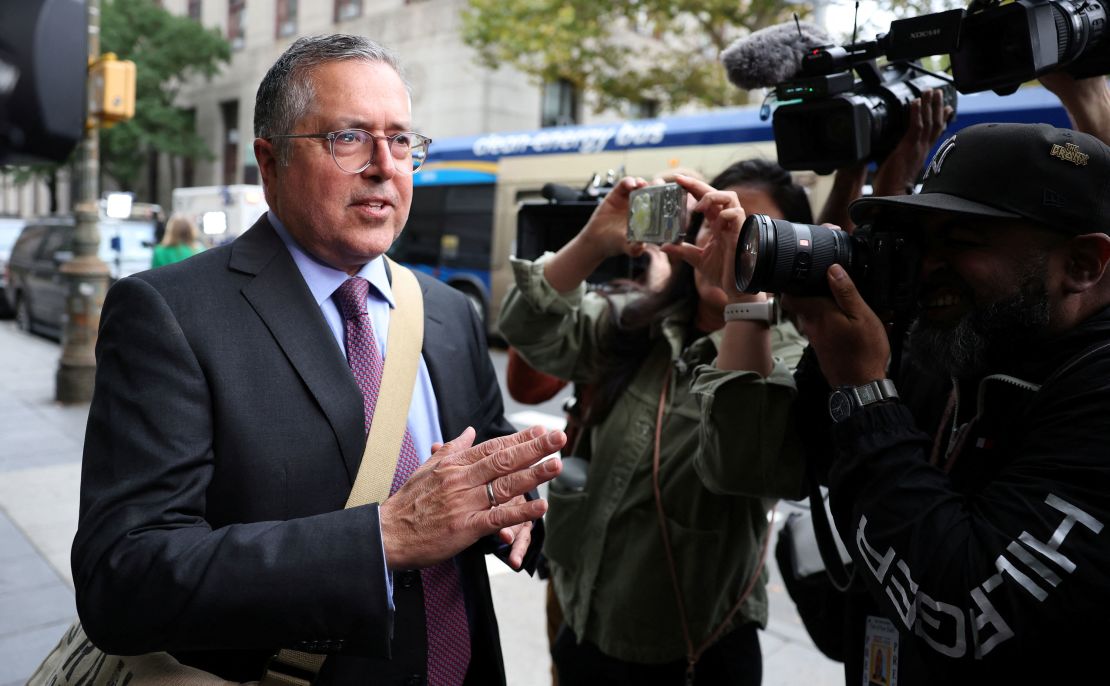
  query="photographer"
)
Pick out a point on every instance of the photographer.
point(640, 607)
point(976, 520)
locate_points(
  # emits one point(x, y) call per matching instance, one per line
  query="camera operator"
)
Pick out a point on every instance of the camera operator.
point(976, 520)
point(928, 117)
point(640, 607)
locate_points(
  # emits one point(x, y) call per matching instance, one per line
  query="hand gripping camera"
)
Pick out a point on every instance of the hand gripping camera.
point(828, 119)
point(778, 256)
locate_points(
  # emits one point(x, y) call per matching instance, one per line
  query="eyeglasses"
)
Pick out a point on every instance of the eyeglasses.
point(353, 149)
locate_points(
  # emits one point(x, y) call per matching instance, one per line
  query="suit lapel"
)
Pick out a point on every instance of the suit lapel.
point(282, 300)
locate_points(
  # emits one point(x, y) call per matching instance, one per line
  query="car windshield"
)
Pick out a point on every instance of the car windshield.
point(9, 231)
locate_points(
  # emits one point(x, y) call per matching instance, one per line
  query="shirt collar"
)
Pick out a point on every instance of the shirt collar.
point(322, 278)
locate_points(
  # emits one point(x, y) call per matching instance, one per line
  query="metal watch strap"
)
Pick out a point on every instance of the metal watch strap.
point(845, 400)
point(873, 392)
point(762, 311)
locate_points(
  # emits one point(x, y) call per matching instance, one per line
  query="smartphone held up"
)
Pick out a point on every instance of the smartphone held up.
point(657, 214)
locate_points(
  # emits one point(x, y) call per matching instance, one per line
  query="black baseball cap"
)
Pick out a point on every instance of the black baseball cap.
point(1057, 178)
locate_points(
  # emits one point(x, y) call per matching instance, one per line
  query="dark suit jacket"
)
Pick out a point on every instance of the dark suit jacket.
point(224, 435)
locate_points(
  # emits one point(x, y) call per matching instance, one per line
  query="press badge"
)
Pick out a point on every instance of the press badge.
point(880, 653)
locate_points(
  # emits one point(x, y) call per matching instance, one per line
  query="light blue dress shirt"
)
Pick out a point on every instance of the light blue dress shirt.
point(323, 280)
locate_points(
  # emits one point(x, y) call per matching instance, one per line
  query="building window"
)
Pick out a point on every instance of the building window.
point(559, 106)
point(645, 109)
point(236, 23)
point(194, 10)
point(229, 114)
point(347, 9)
point(286, 18)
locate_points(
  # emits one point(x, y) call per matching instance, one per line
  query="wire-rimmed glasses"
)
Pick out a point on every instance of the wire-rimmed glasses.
point(353, 149)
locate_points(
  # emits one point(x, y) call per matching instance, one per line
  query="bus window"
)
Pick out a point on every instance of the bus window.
point(448, 226)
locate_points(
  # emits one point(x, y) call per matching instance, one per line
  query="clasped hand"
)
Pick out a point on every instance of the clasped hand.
point(444, 507)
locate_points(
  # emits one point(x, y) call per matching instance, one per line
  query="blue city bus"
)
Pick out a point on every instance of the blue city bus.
point(462, 226)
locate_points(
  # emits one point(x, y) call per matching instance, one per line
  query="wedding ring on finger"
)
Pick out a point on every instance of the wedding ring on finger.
point(489, 494)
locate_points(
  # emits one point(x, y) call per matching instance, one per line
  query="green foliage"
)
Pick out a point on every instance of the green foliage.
point(167, 51)
point(621, 52)
point(626, 52)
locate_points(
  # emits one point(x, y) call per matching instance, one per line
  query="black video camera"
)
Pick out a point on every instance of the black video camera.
point(827, 118)
point(778, 256)
point(548, 226)
point(1003, 46)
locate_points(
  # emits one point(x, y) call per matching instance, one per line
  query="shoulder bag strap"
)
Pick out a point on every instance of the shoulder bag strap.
point(383, 444)
point(692, 653)
point(406, 338)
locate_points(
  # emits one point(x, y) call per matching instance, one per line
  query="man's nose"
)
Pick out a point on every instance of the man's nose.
point(381, 161)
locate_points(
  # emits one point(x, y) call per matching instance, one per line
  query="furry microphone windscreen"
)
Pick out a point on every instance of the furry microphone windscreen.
point(772, 55)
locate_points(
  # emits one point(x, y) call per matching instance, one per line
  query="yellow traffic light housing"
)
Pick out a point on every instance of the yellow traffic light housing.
point(111, 89)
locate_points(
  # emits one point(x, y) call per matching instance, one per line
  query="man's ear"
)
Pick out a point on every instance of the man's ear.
point(267, 161)
point(1086, 259)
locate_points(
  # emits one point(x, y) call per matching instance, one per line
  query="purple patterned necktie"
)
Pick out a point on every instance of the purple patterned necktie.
point(444, 605)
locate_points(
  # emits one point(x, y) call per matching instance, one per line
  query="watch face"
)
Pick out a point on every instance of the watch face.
point(840, 406)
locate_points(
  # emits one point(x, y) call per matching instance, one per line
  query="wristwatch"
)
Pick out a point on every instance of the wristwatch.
point(846, 400)
point(763, 311)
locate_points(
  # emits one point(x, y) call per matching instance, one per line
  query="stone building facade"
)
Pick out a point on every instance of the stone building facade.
point(452, 94)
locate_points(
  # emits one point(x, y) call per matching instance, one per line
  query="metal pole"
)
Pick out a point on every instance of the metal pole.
point(87, 275)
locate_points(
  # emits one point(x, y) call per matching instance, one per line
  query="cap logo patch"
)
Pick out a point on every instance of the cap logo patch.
point(1069, 152)
point(1054, 199)
point(938, 159)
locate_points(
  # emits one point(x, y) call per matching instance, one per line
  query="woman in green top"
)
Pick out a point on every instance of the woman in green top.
point(181, 240)
point(631, 617)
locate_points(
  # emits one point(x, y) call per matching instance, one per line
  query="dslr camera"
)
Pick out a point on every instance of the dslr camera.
point(827, 118)
point(778, 256)
point(657, 214)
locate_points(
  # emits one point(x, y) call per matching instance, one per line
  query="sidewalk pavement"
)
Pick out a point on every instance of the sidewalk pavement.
point(40, 453)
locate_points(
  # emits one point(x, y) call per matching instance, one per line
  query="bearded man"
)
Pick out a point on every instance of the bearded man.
point(976, 515)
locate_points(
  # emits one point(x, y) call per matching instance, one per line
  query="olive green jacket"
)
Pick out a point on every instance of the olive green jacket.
point(604, 546)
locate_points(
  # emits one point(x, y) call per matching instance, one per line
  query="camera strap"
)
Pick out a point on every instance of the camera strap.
point(692, 653)
point(840, 575)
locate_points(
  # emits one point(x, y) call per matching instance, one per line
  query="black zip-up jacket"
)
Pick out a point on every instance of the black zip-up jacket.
point(994, 563)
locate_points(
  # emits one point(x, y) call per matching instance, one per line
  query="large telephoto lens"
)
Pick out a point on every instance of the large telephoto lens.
point(778, 256)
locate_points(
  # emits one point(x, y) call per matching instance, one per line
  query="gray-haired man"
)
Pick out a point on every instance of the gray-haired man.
point(234, 392)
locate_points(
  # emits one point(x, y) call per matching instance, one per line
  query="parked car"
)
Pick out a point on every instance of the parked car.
point(9, 231)
point(36, 289)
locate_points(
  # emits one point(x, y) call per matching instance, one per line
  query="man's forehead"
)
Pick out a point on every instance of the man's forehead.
point(339, 79)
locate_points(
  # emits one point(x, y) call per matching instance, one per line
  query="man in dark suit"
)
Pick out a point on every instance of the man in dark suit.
point(227, 426)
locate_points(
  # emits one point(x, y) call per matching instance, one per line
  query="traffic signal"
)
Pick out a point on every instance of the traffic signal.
point(112, 89)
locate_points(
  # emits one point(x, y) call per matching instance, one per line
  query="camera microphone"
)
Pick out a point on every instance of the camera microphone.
point(557, 192)
point(767, 57)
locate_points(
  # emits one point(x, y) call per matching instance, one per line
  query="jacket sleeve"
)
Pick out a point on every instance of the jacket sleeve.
point(989, 573)
point(150, 572)
point(748, 443)
point(555, 333)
